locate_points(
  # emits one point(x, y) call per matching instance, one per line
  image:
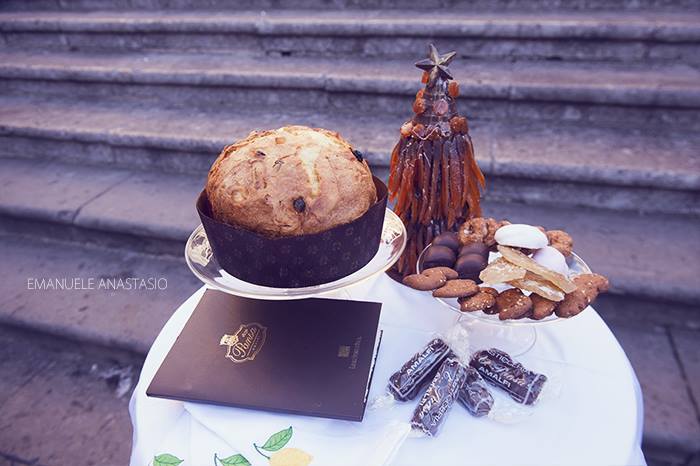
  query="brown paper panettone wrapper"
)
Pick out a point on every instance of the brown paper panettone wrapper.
point(295, 261)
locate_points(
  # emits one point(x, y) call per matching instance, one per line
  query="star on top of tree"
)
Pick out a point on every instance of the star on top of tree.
point(436, 64)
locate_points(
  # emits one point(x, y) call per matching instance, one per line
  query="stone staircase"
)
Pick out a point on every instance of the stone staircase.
point(584, 118)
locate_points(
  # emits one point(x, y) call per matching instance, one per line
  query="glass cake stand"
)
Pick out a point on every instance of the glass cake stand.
point(514, 336)
point(204, 265)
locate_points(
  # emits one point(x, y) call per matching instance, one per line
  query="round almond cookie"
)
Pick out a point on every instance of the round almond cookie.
point(481, 301)
point(573, 304)
point(512, 304)
point(457, 289)
point(591, 284)
point(542, 307)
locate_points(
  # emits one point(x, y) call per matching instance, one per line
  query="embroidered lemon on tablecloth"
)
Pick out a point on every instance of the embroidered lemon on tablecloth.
point(283, 456)
point(290, 457)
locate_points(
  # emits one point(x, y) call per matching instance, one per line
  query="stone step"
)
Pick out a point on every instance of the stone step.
point(647, 37)
point(630, 96)
point(63, 402)
point(68, 358)
point(539, 163)
point(536, 6)
point(646, 256)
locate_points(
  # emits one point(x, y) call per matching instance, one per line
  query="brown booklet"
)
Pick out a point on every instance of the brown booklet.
point(310, 356)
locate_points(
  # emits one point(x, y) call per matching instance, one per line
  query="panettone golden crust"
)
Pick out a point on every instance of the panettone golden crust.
point(290, 181)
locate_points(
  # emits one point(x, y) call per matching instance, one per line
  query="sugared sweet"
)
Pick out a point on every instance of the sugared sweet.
point(500, 370)
point(552, 259)
point(521, 236)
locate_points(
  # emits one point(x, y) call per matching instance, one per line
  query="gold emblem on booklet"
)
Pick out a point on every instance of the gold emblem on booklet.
point(245, 343)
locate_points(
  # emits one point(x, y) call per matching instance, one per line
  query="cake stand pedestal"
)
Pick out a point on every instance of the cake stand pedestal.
point(517, 336)
point(204, 265)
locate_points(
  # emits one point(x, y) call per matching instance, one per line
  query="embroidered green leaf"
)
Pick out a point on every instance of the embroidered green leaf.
point(235, 460)
point(166, 459)
point(278, 440)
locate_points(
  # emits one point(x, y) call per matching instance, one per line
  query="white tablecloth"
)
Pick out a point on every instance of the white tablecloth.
point(595, 418)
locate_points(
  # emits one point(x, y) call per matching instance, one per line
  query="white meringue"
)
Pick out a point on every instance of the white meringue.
point(521, 236)
point(552, 259)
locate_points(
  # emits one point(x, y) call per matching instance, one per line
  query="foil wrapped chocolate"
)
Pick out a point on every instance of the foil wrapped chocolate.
point(500, 370)
point(474, 395)
point(438, 399)
point(406, 383)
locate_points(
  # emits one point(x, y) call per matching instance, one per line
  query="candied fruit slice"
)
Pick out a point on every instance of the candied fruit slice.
point(453, 89)
point(520, 259)
point(538, 285)
point(501, 271)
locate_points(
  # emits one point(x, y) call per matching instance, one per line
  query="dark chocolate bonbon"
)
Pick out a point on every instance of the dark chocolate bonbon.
point(474, 395)
point(439, 256)
point(500, 370)
point(474, 248)
point(449, 239)
point(439, 397)
point(470, 266)
point(406, 383)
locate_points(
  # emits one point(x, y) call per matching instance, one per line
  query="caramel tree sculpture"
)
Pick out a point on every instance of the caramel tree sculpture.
point(434, 178)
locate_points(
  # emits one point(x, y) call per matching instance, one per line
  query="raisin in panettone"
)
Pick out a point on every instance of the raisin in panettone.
point(290, 181)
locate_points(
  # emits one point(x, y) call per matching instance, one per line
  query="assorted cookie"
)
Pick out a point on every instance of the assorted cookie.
point(532, 263)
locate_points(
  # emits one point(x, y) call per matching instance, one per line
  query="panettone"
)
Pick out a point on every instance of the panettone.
point(290, 181)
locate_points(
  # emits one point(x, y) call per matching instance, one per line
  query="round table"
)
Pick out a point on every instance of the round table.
point(594, 416)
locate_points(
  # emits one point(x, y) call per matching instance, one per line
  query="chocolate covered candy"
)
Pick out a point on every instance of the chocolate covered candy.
point(406, 383)
point(470, 266)
point(474, 248)
point(449, 239)
point(500, 370)
point(474, 395)
point(439, 256)
point(439, 397)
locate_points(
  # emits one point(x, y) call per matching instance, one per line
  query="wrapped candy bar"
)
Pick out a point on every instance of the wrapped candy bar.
point(474, 395)
point(406, 383)
point(439, 397)
point(499, 369)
